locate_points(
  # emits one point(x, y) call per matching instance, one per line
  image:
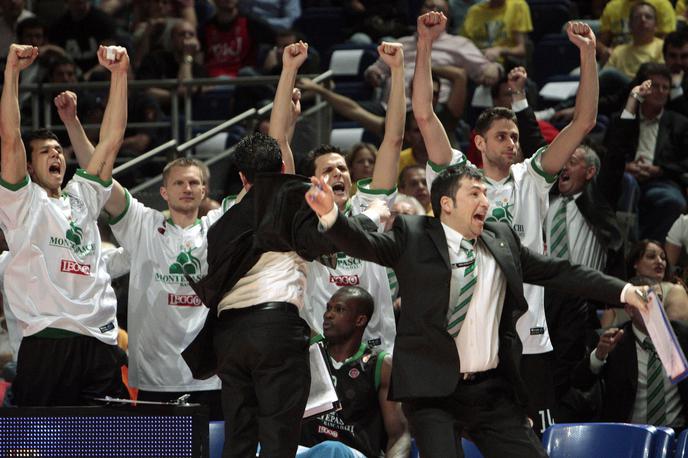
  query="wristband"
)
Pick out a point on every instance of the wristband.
point(638, 97)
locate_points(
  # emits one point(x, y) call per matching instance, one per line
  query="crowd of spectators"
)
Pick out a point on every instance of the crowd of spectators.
point(626, 183)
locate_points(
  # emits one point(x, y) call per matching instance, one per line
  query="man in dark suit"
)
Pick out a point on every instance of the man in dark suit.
point(457, 354)
point(626, 363)
point(654, 142)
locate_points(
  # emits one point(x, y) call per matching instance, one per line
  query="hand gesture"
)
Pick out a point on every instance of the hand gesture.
point(431, 25)
point(307, 84)
point(120, 63)
point(294, 55)
point(581, 35)
point(380, 207)
point(66, 106)
point(320, 196)
point(295, 105)
point(607, 343)
point(636, 297)
point(391, 54)
point(21, 56)
point(643, 89)
point(516, 80)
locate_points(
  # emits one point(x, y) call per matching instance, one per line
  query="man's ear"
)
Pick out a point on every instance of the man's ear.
point(244, 181)
point(590, 172)
point(446, 204)
point(479, 142)
point(361, 321)
point(163, 193)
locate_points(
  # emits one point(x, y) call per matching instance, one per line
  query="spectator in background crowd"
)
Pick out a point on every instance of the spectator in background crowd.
point(373, 20)
point(361, 162)
point(12, 12)
point(412, 182)
point(499, 28)
point(644, 46)
point(448, 50)
point(676, 247)
point(675, 53)
point(272, 62)
point(231, 40)
point(80, 31)
point(614, 26)
point(280, 14)
point(654, 143)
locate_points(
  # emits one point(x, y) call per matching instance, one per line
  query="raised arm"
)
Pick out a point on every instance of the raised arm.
point(585, 111)
point(398, 437)
point(115, 117)
point(430, 26)
point(13, 157)
point(281, 117)
point(387, 161)
point(66, 103)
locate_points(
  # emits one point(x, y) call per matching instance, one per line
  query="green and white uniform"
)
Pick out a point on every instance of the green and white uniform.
point(520, 200)
point(165, 314)
point(324, 281)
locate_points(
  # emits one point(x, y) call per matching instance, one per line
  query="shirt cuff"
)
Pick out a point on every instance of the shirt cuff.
point(626, 289)
point(328, 219)
point(595, 363)
point(519, 105)
point(627, 115)
point(373, 215)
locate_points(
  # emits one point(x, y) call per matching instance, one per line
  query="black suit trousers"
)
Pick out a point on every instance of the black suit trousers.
point(264, 367)
point(486, 412)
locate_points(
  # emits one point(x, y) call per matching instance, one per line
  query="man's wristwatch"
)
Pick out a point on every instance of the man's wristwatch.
point(637, 96)
point(188, 59)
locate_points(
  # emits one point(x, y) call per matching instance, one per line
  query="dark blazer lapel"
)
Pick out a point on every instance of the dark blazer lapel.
point(662, 136)
point(502, 254)
point(436, 233)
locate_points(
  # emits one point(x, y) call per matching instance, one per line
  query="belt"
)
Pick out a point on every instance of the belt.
point(470, 378)
point(229, 314)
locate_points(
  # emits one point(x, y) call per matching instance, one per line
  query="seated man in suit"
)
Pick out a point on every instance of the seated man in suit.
point(638, 389)
point(368, 419)
point(457, 353)
point(654, 142)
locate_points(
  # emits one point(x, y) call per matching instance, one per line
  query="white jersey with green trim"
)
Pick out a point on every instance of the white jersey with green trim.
point(324, 281)
point(57, 276)
point(521, 200)
point(165, 314)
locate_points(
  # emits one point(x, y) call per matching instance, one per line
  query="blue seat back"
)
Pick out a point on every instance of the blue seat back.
point(216, 438)
point(663, 442)
point(608, 440)
point(470, 450)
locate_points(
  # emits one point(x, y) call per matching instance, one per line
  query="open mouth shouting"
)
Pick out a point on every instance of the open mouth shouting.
point(339, 188)
point(55, 169)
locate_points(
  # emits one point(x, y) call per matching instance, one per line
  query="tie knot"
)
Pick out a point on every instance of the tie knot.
point(647, 345)
point(566, 199)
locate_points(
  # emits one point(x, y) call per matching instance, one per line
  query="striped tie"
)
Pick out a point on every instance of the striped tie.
point(467, 283)
point(656, 405)
point(558, 239)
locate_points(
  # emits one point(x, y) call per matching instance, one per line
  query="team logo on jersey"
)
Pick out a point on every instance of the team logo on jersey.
point(345, 280)
point(72, 240)
point(76, 204)
point(73, 267)
point(354, 373)
point(501, 213)
point(348, 263)
point(74, 233)
point(184, 300)
point(328, 432)
point(186, 263)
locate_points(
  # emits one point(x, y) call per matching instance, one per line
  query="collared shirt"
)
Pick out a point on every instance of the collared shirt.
point(584, 246)
point(478, 340)
point(671, 395)
point(647, 138)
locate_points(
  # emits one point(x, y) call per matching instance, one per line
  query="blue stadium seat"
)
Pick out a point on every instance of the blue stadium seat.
point(682, 445)
point(554, 55)
point(470, 450)
point(663, 442)
point(216, 438)
point(548, 17)
point(599, 440)
point(348, 62)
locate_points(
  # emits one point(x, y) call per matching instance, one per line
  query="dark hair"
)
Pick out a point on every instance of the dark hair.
point(675, 40)
point(257, 153)
point(354, 151)
point(490, 115)
point(365, 305)
point(636, 6)
point(40, 134)
point(29, 23)
point(449, 181)
point(309, 165)
point(401, 182)
point(637, 252)
point(648, 69)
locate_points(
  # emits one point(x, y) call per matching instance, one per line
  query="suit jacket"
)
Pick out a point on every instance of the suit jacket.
point(417, 250)
point(620, 376)
point(599, 196)
point(272, 216)
point(671, 149)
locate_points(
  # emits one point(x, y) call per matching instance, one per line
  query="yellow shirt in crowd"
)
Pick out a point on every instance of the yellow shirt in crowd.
point(614, 18)
point(489, 27)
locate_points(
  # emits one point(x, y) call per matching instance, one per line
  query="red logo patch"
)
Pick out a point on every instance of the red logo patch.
point(354, 373)
point(73, 267)
point(190, 300)
point(344, 280)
